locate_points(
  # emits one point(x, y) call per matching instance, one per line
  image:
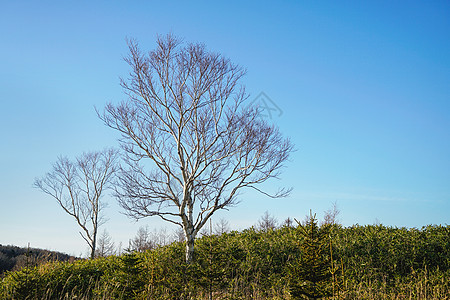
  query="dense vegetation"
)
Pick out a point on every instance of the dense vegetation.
point(16, 258)
point(366, 262)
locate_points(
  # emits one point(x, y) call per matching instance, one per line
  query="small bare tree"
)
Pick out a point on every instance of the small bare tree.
point(78, 187)
point(178, 235)
point(105, 245)
point(267, 222)
point(331, 215)
point(142, 241)
point(288, 222)
point(185, 119)
point(223, 226)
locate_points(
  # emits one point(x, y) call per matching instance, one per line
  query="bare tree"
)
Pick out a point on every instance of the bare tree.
point(78, 187)
point(162, 237)
point(178, 235)
point(141, 241)
point(288, 222)
point(223, 226)
point(267, 222)
point(147, 240)
point(331, 215)
point(185, 119)
point(105, 245)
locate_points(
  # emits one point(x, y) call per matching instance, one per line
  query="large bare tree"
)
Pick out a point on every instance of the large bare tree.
point(78, 186)
point(190, 143)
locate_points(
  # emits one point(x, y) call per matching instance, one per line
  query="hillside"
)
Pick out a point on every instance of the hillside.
point(16, 258)
point(367, 262)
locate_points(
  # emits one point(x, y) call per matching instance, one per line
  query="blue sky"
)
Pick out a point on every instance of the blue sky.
point(364, 91)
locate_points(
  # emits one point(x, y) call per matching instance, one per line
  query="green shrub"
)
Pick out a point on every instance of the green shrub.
point(374, 262)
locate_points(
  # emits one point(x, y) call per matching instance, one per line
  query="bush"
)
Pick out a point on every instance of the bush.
point(374, 262)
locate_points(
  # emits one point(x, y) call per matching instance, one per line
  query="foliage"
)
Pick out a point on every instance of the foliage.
point(309, 276)
point(53, 280)
point(375, 262)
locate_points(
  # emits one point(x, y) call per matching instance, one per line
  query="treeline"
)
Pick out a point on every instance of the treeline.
point(366, 262)
point(16, 258)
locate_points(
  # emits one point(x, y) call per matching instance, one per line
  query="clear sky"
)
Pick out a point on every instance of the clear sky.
point(363, 90)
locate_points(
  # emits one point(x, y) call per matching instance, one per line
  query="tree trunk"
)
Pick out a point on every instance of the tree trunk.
point(189, 247)
point(189, 230)
point(94, 240)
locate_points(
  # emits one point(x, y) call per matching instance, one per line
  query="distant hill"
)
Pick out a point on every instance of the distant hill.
point(15, 258)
